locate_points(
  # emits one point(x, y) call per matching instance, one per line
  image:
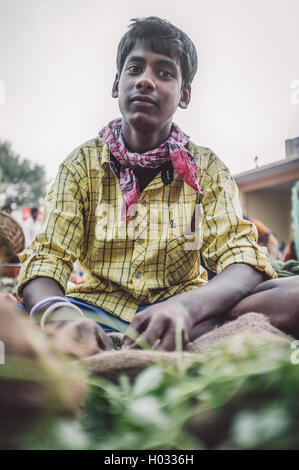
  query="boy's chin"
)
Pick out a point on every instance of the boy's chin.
point(143, 122)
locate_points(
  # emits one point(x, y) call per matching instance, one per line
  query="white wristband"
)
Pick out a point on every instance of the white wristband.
point(53, 307)
point(47, 300)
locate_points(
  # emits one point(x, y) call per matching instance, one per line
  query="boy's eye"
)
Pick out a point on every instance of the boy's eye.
point(134, 68)
point(164, 74)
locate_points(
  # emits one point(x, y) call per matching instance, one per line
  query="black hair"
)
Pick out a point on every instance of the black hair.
point(161, 37)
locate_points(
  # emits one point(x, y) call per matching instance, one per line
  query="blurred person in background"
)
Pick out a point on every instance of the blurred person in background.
point(266, 238)
point(31, 226)
point(7, 208)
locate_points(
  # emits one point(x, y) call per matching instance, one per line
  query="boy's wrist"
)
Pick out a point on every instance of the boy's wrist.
point(194, 303)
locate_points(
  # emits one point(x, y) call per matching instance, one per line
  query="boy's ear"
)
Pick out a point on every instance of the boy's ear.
point(115, 87)
point(185, 97)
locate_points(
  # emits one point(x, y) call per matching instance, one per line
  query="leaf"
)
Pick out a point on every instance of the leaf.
point(252, 430)
point(148, 410)
point(148, 381)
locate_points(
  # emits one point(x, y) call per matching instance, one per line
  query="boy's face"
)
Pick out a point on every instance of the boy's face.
point(149, 89)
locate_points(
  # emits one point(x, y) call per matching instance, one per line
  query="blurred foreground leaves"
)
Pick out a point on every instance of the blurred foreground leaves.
point(240, 396)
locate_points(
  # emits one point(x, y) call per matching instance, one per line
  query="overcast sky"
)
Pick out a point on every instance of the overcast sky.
point(57, 65)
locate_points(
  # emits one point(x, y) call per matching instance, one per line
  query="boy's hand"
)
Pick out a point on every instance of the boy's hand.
point(165, 326)
point(79, 338)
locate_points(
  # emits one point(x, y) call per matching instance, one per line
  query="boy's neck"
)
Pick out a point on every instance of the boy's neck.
point(138, 141)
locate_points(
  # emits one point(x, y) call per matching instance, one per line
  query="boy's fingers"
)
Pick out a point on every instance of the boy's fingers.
point(176, 338)
point(155, 330)
point(168, 341)
point(137, 326)
point(140, 343)
point(130, 336)
point(152, 337)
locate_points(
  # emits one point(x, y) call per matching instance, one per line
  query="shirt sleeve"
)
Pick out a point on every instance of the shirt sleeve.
point(59, 241)
point(227, 237)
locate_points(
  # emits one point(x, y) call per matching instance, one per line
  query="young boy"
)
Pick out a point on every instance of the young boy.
point(125, 204)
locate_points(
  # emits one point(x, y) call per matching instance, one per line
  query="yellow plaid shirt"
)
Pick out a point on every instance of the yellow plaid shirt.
point(156, 253)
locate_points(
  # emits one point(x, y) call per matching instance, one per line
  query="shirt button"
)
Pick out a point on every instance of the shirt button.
point(141, 241)
point(138, 274)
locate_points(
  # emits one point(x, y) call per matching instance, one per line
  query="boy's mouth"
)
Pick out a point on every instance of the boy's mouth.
point(145, 100)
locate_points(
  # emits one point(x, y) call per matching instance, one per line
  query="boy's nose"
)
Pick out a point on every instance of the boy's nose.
point(145, 82)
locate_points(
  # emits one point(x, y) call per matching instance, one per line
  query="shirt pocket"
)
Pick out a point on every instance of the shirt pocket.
point(182, 260)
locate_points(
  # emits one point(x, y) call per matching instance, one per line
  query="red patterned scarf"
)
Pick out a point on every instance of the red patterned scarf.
point(173, 149)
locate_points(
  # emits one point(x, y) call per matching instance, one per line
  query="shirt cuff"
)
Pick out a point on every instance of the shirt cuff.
point(255, 257)
point(49, 266)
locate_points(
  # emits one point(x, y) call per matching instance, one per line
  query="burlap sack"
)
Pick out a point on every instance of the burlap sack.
point(251, 325)
point(130, 362)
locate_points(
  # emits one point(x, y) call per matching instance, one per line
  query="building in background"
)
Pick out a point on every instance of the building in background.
point(292, 147)
point(265, 192)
